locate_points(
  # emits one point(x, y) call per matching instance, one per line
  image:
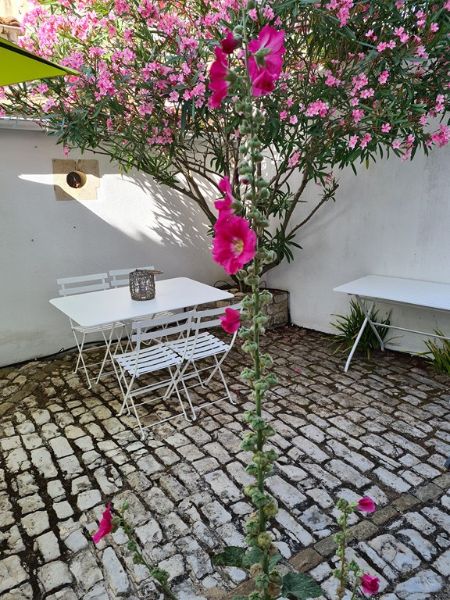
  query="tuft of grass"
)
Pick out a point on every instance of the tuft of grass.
point(439, 353)
point(348, 327)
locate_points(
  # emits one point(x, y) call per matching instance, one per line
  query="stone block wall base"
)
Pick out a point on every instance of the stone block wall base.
point(277, 311)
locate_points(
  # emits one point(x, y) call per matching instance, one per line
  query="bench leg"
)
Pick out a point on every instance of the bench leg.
point(372, 326)
point(355, 345)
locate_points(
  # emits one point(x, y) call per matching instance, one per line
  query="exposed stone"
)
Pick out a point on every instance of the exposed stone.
point(12, 573)
point(116, 576)
point(53, 575)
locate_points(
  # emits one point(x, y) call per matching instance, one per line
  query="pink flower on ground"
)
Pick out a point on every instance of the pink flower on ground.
point(105, 525)
point(231, 320)
point(218, 82)
point(234, 244)
point(366, 505)
point(265, 68)
point(370, 585)
point(230, 43)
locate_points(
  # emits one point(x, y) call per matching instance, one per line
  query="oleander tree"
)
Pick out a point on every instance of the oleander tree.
point(360, 80)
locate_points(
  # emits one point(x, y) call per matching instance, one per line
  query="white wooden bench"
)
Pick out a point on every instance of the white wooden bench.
point(397, 290)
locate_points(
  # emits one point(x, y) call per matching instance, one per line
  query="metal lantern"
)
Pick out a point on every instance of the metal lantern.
point(142, 284)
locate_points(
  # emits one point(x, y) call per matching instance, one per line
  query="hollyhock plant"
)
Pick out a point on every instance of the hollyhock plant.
point(234, 243)
point(370, 585)
point(366, 505)
point(231, 321)
point(105, 526)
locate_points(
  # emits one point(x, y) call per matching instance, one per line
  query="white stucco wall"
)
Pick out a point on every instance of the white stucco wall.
point(393, 219)
point(132, 223)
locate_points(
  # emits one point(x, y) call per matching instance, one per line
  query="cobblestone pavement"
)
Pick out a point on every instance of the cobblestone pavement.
point(383, 430)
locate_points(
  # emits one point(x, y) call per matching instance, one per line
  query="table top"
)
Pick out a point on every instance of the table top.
point(115, 304)
point(429, 294)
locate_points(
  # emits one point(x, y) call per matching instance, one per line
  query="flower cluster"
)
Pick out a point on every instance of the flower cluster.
point(264, 64)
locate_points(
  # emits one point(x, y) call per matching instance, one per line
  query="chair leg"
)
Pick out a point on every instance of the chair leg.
point(141, 429)
point(108, 342)
point(80, 347)
point(225, 385)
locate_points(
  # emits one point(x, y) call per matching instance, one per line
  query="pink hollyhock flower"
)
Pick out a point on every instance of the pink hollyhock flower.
point(265, 70)
point(230, 43)
point(224, 205)
point(231, 320)
point(105, 525)
point(370, 585)
point(218, 82)
point(366, 505)
point(234, 244)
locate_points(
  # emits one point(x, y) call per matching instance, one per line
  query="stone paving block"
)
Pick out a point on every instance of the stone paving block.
point(115, 574)
point(12, 573)
point(53, 575)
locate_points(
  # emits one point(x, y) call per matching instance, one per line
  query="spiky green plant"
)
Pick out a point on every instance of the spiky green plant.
point(348, 327)
point(439, 353)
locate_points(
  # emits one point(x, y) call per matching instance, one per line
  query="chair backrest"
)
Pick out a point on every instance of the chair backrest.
point(82, 284)
point(161, 328)
point(119, 277)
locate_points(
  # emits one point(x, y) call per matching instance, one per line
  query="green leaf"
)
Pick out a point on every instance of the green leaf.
point(301, 586)
point(231, 556)
point(251, 557)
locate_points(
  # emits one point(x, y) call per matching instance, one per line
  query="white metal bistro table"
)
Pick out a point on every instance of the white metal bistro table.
point(116, 306)
point(397, 290)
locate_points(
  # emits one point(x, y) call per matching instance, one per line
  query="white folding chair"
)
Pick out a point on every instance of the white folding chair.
point(82, 285)
point(119, 277)
point(150, 359)
point(201, 345)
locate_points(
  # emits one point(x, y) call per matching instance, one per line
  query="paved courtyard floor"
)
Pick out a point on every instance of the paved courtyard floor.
point(383, 430)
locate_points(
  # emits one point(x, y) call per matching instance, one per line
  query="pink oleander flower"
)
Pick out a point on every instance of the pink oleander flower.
point(383, 77)
point(266, 62)
point(294, 159)
point(105, 525)
point(352, 142)
point(442, 136)
point(366, 505)
point(386, 127)
point(218, 82)
point(230, 43)
point(234, 243)
point(231, 320)
point(370, 585)
point(317, 108)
